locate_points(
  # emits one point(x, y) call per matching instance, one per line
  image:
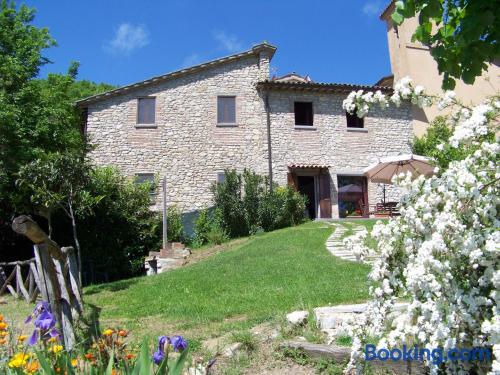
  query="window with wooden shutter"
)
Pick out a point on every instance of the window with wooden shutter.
point(226, 110)
point(146, 111)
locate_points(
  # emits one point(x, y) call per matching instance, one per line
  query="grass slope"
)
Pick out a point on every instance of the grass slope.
point(266, 276)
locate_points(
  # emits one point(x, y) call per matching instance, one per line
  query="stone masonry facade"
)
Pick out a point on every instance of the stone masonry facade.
point(189, 148)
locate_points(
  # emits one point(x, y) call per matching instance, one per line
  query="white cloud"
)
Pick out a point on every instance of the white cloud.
point(190, 60)
point(372, 8)
point(227, 42)
point(127, 39)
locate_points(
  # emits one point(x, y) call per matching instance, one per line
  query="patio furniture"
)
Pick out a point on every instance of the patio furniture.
point(386, 168)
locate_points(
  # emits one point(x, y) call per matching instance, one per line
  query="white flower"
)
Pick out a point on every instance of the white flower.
point(443, 253)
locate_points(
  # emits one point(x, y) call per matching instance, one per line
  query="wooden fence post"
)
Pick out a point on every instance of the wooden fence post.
point(56, 274)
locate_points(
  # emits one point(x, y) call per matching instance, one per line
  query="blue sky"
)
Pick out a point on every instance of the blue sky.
point(124, 41)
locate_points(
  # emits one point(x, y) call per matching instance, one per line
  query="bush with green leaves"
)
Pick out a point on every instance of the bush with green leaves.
point(208, 228)
point(280, 208)
point(248, 206)
point(175, 228)
point(120, 230)
point(228, 200)
point(434, 144)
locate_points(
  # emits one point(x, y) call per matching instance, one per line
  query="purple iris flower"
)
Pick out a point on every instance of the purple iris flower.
point(158, 356)
point(33, 338)
point(179, 343)
point(45, 321)
point(162, 341)
point(39, 308)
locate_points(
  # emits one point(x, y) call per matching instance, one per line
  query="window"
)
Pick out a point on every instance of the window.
point(303, 113)
point(226, 110)
point(353, 121)
point(146, 111)
point(221, 177)
point(143, 178)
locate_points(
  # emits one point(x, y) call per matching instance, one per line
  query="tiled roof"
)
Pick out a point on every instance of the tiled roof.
point(308, 166)
point(385, 81)
point(255, 50)
point(319, 86)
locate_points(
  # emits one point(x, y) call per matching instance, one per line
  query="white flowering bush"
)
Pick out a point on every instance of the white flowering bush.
point(442, 254)
point(356, 244)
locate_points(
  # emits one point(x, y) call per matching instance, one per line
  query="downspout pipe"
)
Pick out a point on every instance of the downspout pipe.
point(269, 147)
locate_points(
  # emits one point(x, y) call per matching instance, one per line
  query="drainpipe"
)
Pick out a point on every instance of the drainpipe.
point(269, 151)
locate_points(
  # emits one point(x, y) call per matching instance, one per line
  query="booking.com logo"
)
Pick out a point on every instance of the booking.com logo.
point(436, 356)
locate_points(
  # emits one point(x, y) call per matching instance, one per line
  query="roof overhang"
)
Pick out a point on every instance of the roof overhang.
point(318, 87)
point(308, 166)
point(254, 51)
point(387, 11)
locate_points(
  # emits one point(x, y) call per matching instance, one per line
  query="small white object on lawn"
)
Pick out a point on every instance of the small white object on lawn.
point(297, 317)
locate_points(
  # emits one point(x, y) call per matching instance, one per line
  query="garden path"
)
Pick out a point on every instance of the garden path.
point(334, 243)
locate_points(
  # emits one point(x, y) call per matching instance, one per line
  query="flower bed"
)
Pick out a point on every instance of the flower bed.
point(110, 353)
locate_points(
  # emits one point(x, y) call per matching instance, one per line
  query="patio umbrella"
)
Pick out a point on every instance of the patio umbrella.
point(351, 188)
point(386, 168)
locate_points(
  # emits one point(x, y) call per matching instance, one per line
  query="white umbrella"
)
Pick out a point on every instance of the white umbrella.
point(386, 168)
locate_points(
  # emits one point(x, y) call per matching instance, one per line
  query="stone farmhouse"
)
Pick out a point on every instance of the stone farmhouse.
point(192, 124)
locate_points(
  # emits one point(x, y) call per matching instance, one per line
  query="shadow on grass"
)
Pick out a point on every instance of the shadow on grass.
point(110, 287)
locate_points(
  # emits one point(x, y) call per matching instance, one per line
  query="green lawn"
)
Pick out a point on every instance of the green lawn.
point(267, 276)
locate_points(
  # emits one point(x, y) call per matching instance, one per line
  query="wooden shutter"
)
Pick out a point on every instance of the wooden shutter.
point(325, 201)
point(291, 180)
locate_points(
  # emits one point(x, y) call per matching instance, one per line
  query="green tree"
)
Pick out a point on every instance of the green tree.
point(462, 34)
point(434, 144)
point(58, 181)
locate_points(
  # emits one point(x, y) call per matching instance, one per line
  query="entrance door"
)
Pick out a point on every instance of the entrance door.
point(353, 196)
point(305, 185)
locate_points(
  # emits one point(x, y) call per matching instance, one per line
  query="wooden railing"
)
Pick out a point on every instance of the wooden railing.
point(16, 284)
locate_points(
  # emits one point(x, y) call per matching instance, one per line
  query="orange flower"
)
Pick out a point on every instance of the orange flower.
point(122, 333)
point(3, 325)
point(1, 318)
point(130, 356)
point(32, 367)
point(21, 338)
point(89, 356)
point(3, 341)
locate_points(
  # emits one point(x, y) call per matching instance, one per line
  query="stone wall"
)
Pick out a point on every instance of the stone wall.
point(329, 142)
point(186, 145)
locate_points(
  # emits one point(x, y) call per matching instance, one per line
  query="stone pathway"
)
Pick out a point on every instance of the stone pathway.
point(334, 243)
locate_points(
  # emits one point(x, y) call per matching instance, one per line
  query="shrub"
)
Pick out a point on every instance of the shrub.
point(254, 190)
point(216, 235)
point(434, 144)
point(441, 254)
point(208, 228)
point(175, 228)
point(282, 207)
point(258, 208)
point(227, 198)
point(120, 230)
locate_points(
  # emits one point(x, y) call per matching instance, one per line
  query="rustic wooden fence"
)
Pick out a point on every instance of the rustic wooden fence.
point(55, 271)
point(18, 285)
